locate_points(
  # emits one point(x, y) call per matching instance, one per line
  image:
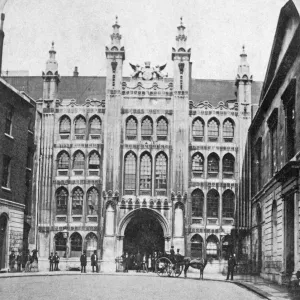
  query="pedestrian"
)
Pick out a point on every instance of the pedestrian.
point(56, 261)
point(231, 265)
point(94, 261)
point(51, 261)
point(83, 261)
point(144, 264)
point(28, 261)
point(172, 254)
point(150, 263)
point(126, 260)
point(12, 260)
point(138, 261)
point(19, 261)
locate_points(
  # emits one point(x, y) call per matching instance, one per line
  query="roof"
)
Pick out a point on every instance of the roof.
point(83, 87)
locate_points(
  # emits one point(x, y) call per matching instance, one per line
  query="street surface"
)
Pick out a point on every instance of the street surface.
point(113, 287)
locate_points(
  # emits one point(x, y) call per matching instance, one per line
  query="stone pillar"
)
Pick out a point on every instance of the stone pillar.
point(178, 224)
point(109, 220)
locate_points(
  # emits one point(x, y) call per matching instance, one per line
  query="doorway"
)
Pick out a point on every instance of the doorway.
point(3, 234)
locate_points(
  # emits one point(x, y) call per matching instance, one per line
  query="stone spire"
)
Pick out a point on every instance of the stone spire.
point(181, 37)
point(116, 36)
point(244, 68)
point(51, 64)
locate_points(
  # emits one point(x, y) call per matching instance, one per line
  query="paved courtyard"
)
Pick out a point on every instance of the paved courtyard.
point(118, 287)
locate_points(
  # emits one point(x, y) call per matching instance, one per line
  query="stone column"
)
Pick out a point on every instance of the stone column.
point(110, 220)
point(178, 226)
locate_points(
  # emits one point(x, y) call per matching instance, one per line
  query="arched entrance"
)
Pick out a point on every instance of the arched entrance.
point(3, 237)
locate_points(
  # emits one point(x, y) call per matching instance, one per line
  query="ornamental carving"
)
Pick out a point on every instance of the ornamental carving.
point(148, 73)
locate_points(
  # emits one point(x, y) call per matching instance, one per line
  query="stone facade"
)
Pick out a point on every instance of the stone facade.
point(271, 204)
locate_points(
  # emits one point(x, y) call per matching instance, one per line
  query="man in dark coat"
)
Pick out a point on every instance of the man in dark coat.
point(12, 260)
point(56, 261)
point(172, 254)
point(19, 261)
point(231, 265)
point(138, 261)
point(94, 261)
point(83, 261)
point(51, 261)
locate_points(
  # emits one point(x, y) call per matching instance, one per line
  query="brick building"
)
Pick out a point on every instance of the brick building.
point(139, 163)
point(268, 214)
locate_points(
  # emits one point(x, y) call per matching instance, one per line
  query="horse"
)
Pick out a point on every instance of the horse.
point(197, 263)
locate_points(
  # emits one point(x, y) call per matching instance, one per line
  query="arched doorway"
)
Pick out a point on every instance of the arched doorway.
point(3, 236)
point(143, 233)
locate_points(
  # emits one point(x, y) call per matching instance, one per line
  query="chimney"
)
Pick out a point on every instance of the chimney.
point(75, 73)
point(1, 41)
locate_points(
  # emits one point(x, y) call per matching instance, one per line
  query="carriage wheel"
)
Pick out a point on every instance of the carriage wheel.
point(176, 270)
point(163, 267)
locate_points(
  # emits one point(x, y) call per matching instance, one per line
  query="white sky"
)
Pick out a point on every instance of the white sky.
point(216, 31)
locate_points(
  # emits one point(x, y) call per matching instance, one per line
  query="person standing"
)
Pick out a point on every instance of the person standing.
point(172, 254)
point(27, 261)
point(94, 261)
point(231, 265)
point(138, 261)
point(12, 260)
point(19, 261)
point(56, 261)
point(83, 261)
point(51, 261)
point(144, 264)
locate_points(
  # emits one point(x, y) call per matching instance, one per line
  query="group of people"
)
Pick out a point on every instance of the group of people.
point(54, 260)
point(23, 260)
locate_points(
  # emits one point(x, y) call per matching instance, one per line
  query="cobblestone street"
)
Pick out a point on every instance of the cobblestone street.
point(118, 287)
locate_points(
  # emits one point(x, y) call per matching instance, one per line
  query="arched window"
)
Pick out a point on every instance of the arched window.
point(213, 129)
point(130, 174)
point(80, 128)
point(60, 244)
point(228, 165)
point(131, 128)
point(212, 204)
point(147, 128)
point(92, 201)
point(65, 127)
point(228, 130)
point(77, 201)
point(61, 201)
point(95, 127)
point(162, 129)
point(161, 173)
point(63, 160)
point(212, 246)
point(76, 244)
point(145, 174)
point(228, 204)
point(94, 161)
point(198, 165)
point(91, 243)
point(196, 246)
point(274, 227)
point(227, 246)
point(197, 203)
point(78, 162)
point(213, 165)
point(198, 129)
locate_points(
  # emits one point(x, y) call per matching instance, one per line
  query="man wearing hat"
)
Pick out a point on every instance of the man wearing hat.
point(83, 261)
point(56, 261)
point(51, 261)
point(12, 260)
point(172, 254)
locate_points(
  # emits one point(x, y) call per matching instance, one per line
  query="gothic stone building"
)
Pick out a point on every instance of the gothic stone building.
point(139, 163)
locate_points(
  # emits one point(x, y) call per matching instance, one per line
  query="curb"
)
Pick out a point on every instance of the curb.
point(253, 289)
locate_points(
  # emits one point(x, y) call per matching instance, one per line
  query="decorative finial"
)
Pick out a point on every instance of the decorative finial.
point(243, 48)
point(180, 20)
point(116, 19)
point(52, 45)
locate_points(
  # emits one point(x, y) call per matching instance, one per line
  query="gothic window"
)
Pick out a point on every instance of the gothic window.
point(274, 227)
point(130, 174)
point(196, 246)
point(77, 201)
point(6, 171)
point(228, 130)
point(65, 125)
point(198, 129)
point(131, 128)
point(79, 127)
point(61, 201)
point(197, 203)
point(60, 244)
point(145, 174)
point(197, 165)
point(228, 165)
point(213, 129)
point(76, 244)
point(161, 172)
point(95, 126)
point(272, 123)
point(91, 244)
point(78, 162)
point(8, 120)
point(162, 129)
point(63, 160)
point(212, 204)
point(228, 204)
point(94, 160)
point(213, 165)
point(212, 246)
point(92, 201)
point(147, 128)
